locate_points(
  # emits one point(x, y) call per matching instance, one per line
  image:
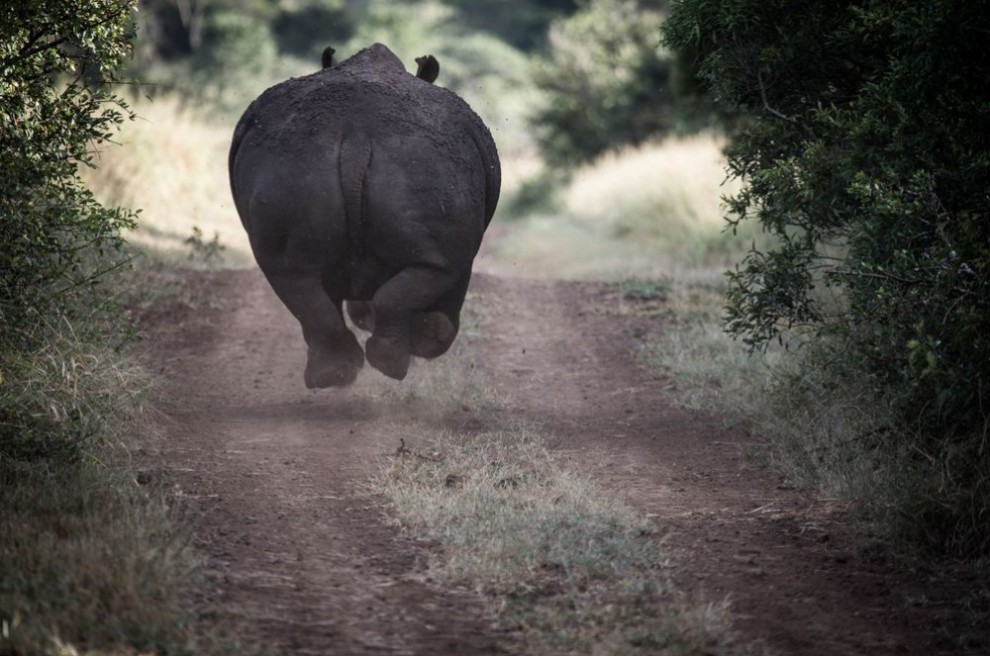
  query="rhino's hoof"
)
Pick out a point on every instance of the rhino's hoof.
point(387, 357)
point(317, 377)
point(431, 334)
point(333, 368)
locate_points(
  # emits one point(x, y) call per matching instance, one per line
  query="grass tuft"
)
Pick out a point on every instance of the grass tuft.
point(90, 560)
point(59, 397)
point(828, 432)
point(568, 567)
point(641, 289)
point(565, 565)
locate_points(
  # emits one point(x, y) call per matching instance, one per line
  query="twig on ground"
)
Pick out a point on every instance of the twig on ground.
point(403, 450)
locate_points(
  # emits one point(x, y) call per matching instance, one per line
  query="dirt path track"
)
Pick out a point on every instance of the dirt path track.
point(305, 560)
point(275, 475)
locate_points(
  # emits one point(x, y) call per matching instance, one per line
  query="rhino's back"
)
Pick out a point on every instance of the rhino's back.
point(369, 156)
point(425, 129)
point(321, 109)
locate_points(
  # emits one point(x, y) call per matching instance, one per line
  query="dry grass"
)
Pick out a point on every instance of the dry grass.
point(669, 192)
point(781, 395)
point(648, 211)
point(75, 392)
point(822, 422)
point(173, 166)
point(87, 558)
point(91, 561)
point(714, 372)
point(563, 563)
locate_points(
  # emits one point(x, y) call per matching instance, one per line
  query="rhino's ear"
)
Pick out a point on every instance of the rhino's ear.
point(327, 58)
point(429, 68)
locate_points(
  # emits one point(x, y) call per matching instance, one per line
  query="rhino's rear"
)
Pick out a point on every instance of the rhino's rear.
point(362, 182)
point(367, 152)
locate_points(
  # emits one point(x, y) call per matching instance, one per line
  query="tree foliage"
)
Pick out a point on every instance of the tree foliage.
point(206, 33)
point(521, 24)
point(223, 51)
point(605, 81)
point(867, 155)
point(609, 82)
point(57, 61)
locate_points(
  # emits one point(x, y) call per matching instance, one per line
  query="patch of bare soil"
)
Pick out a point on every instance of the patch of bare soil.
point(303, 559)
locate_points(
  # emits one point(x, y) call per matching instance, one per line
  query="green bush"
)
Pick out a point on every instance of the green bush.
point(237, 48)
point(605, 82)
point(222, 53)
point(305, 27)
point(57, 60)
point(521, 24)
point(89, 560)
point(865, 153)
point(234, 44)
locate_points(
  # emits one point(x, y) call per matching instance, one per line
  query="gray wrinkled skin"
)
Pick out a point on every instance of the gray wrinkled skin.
point(363, 183)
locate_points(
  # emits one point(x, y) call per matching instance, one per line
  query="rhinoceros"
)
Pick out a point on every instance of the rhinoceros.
point(366, 184)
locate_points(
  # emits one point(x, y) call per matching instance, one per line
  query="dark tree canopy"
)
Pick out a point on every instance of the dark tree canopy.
point(609, 83)
point(866, 153)
point(605, 81)
point(522, 24)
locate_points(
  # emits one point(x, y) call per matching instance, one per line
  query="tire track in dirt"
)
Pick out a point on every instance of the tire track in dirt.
point(304, 561)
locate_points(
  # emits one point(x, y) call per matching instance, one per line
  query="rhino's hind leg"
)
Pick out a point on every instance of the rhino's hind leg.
point(334, 355)
point(414, 291)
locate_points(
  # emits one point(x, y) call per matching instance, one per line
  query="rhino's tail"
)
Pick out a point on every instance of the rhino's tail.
point(353, 163)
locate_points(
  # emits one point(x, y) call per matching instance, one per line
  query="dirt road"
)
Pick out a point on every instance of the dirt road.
point(303, 559)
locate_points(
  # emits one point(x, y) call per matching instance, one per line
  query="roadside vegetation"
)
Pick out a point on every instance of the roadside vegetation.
point(855, 299)
point(170, 162)
point(90, 560)
point(648, 211)
point(865, 160)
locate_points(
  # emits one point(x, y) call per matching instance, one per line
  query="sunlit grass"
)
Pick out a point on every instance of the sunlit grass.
point(173, 167)
point(647, 211)
point(668, 191)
